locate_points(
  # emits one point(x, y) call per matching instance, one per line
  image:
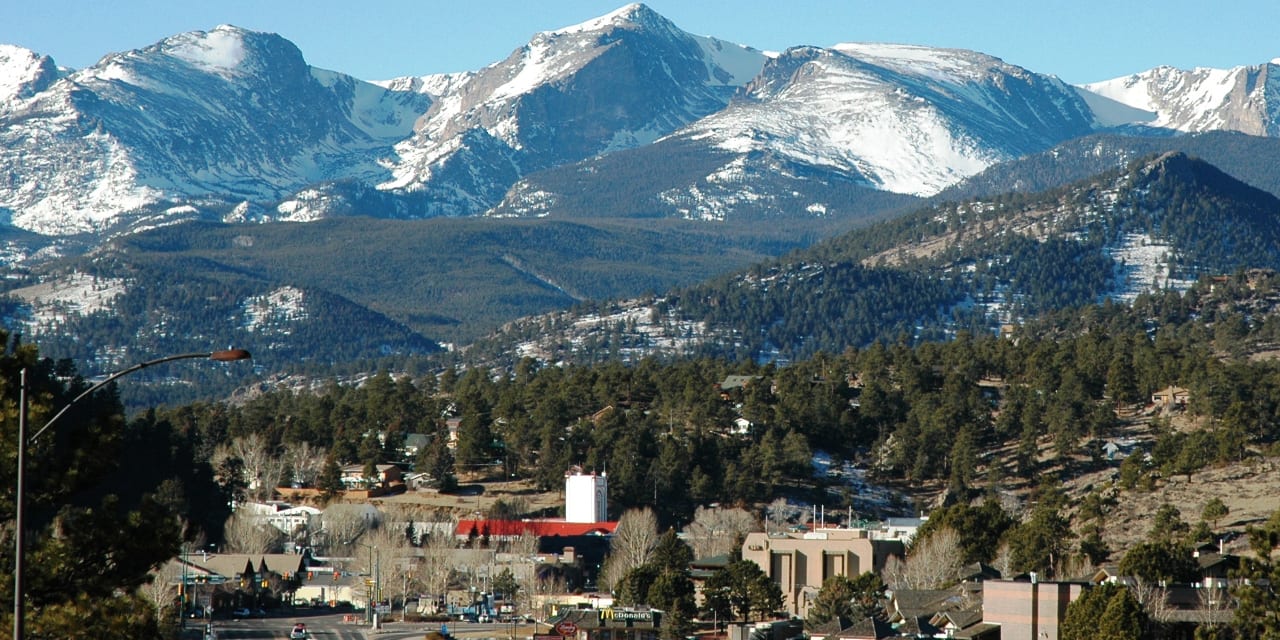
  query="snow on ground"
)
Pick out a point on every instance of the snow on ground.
point(18, 67)
point(870, 500)
point(667, 334)
point(218, 50)
point(1141, 267)
point(284, 305)
point(80, 294)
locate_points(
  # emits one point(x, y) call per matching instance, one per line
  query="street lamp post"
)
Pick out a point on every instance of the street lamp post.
point(19, 507)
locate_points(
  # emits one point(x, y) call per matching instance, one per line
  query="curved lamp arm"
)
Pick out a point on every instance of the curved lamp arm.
point(19, 561)
point(221, 356)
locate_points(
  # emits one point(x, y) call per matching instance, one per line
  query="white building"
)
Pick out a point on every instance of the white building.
point(287, 518)
point(586, 496)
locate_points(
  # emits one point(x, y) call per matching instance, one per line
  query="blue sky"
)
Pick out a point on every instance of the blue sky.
point(1079, 40)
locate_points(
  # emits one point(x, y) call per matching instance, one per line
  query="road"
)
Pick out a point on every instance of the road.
point(333, 627)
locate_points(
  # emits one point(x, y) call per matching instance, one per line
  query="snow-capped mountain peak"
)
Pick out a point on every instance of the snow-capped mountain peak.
point(206, 118)
point(902, 118)
point(634, 15)
point(1245, 99)
point(618, 81)
point(23, 73)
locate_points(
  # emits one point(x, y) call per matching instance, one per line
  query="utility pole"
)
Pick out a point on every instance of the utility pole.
point(182, 589)
point(373, 620)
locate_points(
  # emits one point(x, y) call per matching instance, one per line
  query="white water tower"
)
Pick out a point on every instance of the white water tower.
point(586, 496)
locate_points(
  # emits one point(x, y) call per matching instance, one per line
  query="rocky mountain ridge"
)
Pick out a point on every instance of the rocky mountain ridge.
point(234, 125)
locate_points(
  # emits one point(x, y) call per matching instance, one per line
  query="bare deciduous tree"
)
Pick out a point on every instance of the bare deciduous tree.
point(633, 541)
point(343, 523)
point(386, 555)
point(1003, 560)
point(524, 546)
point(552, 583)
point(1154, 599)
point(436, 566)
point(715, 531)
point(779, 513)
point(160, 590)
point(1215, 605)
point(933, 562)
point(246, 534)
point(261, 468)
point(303, 463)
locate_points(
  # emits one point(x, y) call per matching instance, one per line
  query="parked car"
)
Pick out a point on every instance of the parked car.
point(242, 612)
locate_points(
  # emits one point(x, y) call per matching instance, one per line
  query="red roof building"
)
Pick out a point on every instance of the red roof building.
point(512, 529)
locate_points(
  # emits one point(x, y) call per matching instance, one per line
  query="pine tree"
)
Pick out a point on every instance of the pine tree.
point(330, 480)
point(1104, 612)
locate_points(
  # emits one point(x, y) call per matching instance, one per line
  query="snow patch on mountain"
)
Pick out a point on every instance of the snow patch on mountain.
point(539, 64)
point(622, 14)
point(207, 118)
point(1142, 266)
point(731, 64)
point(384, 114)
point(652, 332)
point(721, 192)
point(434, 85)
point(1109, 112)
point(611, 83)
point(219, 51)
point(274, 312)
point(52, 302)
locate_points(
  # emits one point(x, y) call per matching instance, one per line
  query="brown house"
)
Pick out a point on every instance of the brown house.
point(386, 476)
point(1171, 398)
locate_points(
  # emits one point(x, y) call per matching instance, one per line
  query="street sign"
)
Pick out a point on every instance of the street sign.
point(567, 628)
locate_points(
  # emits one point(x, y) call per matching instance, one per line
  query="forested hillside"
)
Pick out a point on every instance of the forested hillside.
point(352, 295)
point(1253, 160)
point(1161, 222)
point(1007, 443)
point(995, 429)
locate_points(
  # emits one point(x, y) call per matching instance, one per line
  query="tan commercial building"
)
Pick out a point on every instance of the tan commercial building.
point(800, 562)
point(1029, 610)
